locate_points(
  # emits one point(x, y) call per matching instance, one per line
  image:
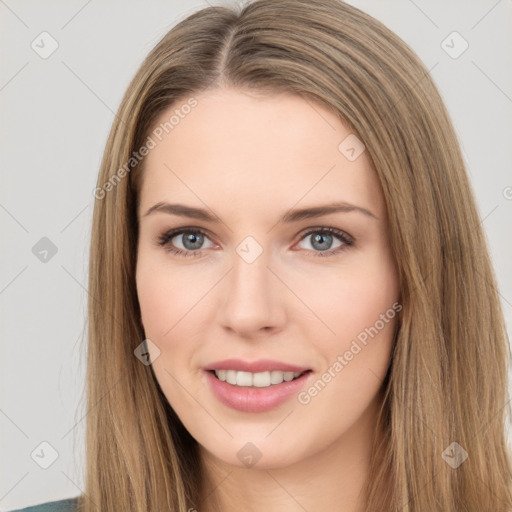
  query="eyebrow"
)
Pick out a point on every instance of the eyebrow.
point(292, 215)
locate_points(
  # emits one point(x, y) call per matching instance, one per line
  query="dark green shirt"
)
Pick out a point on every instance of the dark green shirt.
point(67, 505)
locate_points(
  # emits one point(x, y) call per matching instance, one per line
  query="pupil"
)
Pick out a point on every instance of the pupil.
point(192, 241)
point(318, 237)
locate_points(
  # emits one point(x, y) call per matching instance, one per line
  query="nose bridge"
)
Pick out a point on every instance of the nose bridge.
point(250, 276)
point(250, 273)
point(251, 301)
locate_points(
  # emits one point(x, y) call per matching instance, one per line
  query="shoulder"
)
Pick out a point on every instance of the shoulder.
point(67, 505)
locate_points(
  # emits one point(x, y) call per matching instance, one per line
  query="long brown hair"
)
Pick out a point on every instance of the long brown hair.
point(448, 379)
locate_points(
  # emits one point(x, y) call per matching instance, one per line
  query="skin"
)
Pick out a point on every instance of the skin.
point(249, 158)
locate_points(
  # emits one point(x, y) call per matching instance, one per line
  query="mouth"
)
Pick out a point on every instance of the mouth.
point(263, 379)
point(255, 392)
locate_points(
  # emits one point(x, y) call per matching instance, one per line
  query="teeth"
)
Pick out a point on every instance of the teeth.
point(259, 380)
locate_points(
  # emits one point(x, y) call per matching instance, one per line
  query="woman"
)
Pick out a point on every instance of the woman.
point(230, 366)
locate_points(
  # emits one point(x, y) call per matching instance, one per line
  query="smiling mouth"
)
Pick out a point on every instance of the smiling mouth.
point(258, 380)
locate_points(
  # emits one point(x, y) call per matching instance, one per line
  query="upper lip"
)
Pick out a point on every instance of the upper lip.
point(261, 365)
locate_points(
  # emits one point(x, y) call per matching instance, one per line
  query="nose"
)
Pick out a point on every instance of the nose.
point(252, 302)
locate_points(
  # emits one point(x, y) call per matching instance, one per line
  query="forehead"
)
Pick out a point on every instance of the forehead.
point(254, 149)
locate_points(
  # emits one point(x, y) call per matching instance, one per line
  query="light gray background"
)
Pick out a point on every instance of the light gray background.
point(56, 114)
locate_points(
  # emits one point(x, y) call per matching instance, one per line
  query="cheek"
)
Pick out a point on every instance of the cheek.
point(351, 299)
point(155, 302)
point(165, 295)
point(362, 308)
point(369, 304)
point(167, 300)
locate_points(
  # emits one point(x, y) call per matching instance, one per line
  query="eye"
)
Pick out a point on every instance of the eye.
point(321, 240)
point(191, 241)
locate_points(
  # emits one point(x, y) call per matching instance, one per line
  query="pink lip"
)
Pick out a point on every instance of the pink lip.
point(262, 365)
point(253, 399)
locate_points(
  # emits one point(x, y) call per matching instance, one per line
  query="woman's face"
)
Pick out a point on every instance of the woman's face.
point(259, 283)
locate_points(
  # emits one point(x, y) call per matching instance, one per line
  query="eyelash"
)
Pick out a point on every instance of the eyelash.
point(164, 239)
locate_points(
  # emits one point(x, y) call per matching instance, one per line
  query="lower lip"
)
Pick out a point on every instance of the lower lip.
point(253, 399)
